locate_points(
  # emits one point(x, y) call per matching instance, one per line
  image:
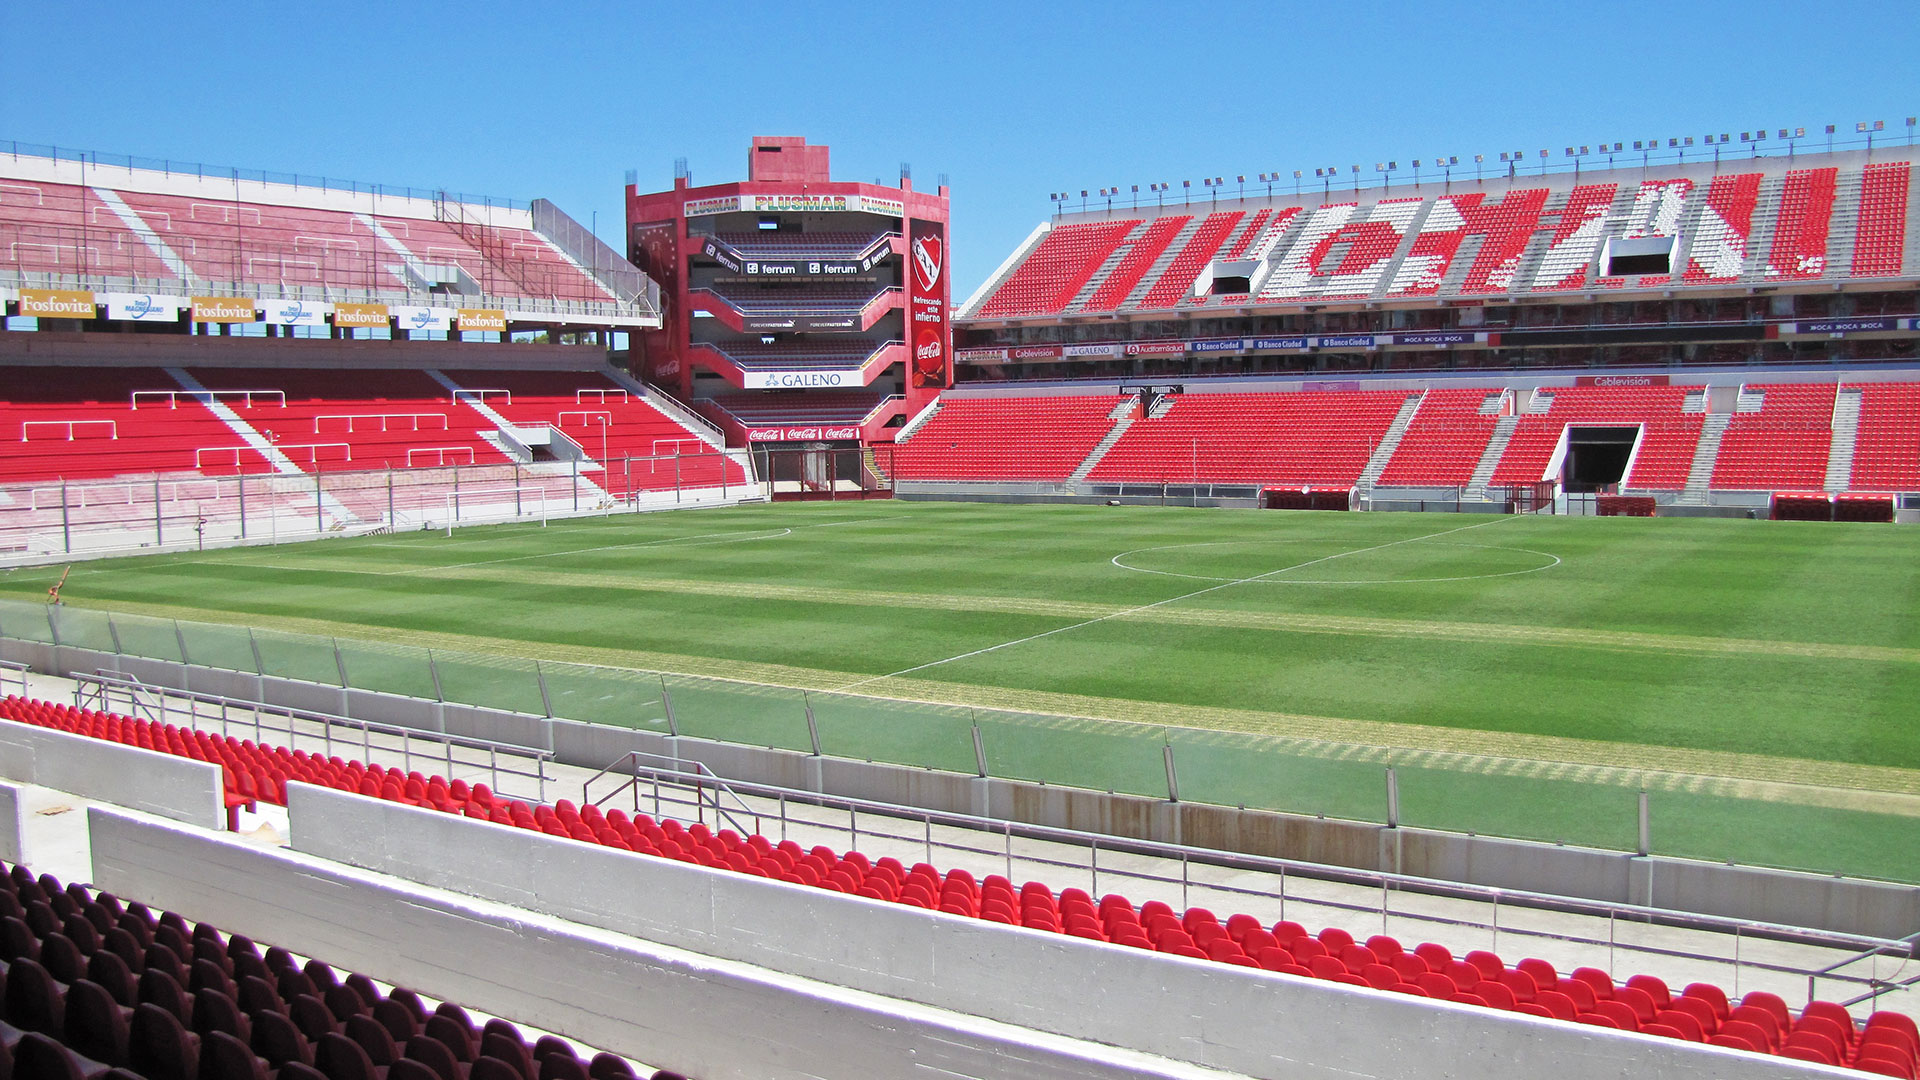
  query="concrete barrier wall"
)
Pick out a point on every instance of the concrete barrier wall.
point(1845, 905)
point(10, 830)
point(1220, 1017)
point(663, 1006)
point(177, 788)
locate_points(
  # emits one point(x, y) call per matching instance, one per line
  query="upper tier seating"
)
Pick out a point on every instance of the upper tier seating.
point(1288, 439)
point(1027, 438)
point(1783, 446)
point(1667, 442)
point(1057, 268)
point(1761, 1022)
point(1444, 442)
point(134, 234)
point(1519, 240)
point(1880, 242)
point(95, 983)
point(1886, 452)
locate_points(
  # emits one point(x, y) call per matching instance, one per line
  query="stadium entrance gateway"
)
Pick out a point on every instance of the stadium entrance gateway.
point(1597, 458)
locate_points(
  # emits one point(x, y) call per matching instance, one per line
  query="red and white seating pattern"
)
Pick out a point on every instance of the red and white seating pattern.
point(1800, 233)
point(1719, 251)
point(1529, 240)
point(1364, 240)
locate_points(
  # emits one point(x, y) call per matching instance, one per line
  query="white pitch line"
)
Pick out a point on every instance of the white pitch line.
point(1168, 600)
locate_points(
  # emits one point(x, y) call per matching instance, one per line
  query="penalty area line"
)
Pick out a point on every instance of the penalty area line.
point(1162, 603)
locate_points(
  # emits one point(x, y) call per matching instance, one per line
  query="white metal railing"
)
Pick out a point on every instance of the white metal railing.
point(471, 395)
point(13, 674)
point(508, 765)
point(71, 426)
point(440, 454)
point(600, 394)
point(686, 792)
point(173, 396)
point(387, 420)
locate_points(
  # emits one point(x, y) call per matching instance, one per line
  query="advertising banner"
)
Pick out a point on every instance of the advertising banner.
point(481, 319)
point(723, 253)
point(1156, 348)
point(726, 204)
point(1344, 341)
point(800, 203)
point(1269, 344)
point(980, 356)
point(1218, 345)
point(1622, 380)
point(927, 290)
point(1435, 337)
point(800, 380)
point(423, 318)
point(355, 315)
point(1091, 350)
point(812, 433)
point(56, 303)
point(144, 307)
point(1033, 352)
point(294, 313)
point(1330, 386)
point(223, 309)
point(1839, 327)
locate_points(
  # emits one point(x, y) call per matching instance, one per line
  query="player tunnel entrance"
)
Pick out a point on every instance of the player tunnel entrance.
point(1597, 457)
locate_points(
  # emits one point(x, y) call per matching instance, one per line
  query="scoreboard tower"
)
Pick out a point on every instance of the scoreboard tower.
point(792, 294)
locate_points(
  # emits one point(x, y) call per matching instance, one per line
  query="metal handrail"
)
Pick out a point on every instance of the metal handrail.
point(706, 780)
point(101, 686)
point(692, 774)
point(14, 672)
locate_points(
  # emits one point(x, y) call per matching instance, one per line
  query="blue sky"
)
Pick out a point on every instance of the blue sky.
point(1011, 100)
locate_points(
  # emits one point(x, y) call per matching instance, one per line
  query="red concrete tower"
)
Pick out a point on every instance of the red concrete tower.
point(796, 309)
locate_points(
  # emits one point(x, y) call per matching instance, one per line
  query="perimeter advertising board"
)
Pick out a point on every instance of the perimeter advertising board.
point(927, 291)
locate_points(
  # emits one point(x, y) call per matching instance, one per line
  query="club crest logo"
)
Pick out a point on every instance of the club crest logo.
point(927, 256)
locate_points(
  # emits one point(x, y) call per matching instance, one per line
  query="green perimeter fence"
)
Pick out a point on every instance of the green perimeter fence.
point(1514, 798)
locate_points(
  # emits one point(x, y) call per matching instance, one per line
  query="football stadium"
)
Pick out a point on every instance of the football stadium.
point(1451, 619)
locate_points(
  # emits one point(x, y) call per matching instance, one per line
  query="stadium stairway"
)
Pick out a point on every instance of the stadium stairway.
point(1705, 453)
point(1759, 1022)
point(1490, 458)
point(1846, 431)
point(1389, 442)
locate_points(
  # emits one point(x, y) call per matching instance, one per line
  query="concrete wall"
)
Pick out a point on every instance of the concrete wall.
point(711, 1018)
point(10, 841)
point(1234, 1019)
point(1844, 905)
point(177, 788)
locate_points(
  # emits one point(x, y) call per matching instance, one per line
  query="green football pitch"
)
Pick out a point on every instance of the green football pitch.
point(1524, 676)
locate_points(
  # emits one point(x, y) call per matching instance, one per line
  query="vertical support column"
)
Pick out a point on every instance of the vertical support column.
point(66, 522)
point(242, 482)
point(813, 729)
point(576, 484)
point(391, 523)
point(676, 473)
point(159, 540)
point(546, 699)
point(666, 702)
point(1646, 831)
point(319, 522)
point(1173, 777)
point(1393, 798)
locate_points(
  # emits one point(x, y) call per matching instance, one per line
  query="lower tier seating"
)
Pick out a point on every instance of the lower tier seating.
point(1760, 1022)
point(97, 987)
